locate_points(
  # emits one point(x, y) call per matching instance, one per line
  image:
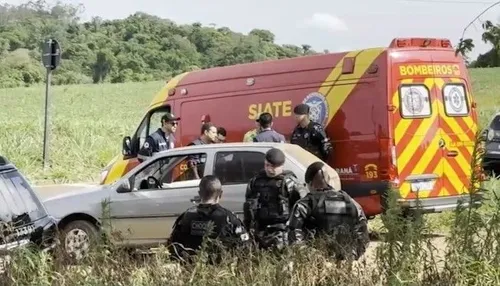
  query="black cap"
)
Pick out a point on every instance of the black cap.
point(275, 157)
point(169, 117)
point(301, 109)
point(265, 118)
point(312, 170)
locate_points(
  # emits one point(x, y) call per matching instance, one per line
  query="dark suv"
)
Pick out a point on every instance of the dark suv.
point(491, 159)
point(23, 218)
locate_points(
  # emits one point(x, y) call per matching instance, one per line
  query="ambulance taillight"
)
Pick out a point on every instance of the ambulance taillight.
point(393, 169)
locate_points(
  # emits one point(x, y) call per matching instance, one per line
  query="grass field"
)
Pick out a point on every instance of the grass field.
point(88, 125)
point(89, 122)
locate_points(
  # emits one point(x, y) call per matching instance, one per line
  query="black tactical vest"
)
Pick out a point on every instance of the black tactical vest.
point(272, 203)
point(305, 138)
point(331, 209)
point(209, 220)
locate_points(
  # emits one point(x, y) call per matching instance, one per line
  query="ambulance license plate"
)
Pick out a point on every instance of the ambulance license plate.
point(424, 185)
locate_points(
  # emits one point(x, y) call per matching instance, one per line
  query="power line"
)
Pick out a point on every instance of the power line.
point(448, 1)
point(477, 17)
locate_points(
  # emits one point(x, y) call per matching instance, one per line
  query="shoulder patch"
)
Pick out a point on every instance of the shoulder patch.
point(318, 127)
point(318, 105)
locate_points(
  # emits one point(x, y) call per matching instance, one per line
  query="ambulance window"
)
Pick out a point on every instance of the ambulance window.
point(153, 123)
point(455, 100)
point(414, 101)
point(237, 167)
point(155, 120)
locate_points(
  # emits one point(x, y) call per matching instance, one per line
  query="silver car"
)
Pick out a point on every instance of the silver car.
point(143, 205)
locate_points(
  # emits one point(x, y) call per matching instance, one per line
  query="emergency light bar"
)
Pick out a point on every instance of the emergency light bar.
point(420, 43)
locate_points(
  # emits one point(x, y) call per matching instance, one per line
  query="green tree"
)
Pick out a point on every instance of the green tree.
point(138, 48)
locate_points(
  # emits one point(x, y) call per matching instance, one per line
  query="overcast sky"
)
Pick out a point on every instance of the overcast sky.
point(336, 25)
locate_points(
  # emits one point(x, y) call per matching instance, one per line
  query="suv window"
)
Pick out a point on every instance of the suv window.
point(237, 167)
point(17, 198)
point(495, 123)
point(172, 169)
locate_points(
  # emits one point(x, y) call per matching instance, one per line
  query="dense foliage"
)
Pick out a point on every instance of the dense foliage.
point(491, 35)
point(141, 47)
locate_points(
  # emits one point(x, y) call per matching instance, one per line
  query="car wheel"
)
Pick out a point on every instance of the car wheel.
point(78, 237)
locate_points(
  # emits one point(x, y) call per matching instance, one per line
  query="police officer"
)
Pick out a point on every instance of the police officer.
point(329, 213)
point(162, 139)
point(310, 135)
point(269, 197)
point(208, 219)
point(267, 134)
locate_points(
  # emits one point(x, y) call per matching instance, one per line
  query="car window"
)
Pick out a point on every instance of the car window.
point(237, 167)
point(155, 120)
point(495, 123)
point(172, 169)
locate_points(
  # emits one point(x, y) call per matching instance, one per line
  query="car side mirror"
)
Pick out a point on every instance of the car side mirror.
point(483, 135)
point(124, 187)
point(127, 146)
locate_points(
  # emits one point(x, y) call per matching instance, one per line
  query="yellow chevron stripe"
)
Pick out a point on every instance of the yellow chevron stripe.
point(438, 170)
point(454, 179)
point(116, 170)
point(416, 140)
point(405, 190)
point(404, 123)
point(337, 95)
point(468, 120)
point(395, 96)
point(450, 120)
point(162, 95)
point(419, 168)
point(335, 74)
point(427, 157)
point(460, 158)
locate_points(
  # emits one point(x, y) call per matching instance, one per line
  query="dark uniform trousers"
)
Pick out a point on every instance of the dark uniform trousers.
point(334, 216)
point(223, 229)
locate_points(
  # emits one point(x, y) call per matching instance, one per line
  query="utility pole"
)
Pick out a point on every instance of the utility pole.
point(51, 58)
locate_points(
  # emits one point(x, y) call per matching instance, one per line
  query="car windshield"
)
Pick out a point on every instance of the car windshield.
point(495, 123)
point(16, 197)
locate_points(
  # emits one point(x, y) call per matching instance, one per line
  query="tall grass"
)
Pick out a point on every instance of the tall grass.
point(407, 254)
point(89, 122)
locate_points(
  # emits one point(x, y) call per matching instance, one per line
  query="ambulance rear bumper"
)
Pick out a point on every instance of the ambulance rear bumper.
point(440, 204)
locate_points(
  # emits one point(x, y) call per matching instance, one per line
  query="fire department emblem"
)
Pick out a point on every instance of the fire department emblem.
point(456, 99)
point(414, 101)
point(318, 107)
